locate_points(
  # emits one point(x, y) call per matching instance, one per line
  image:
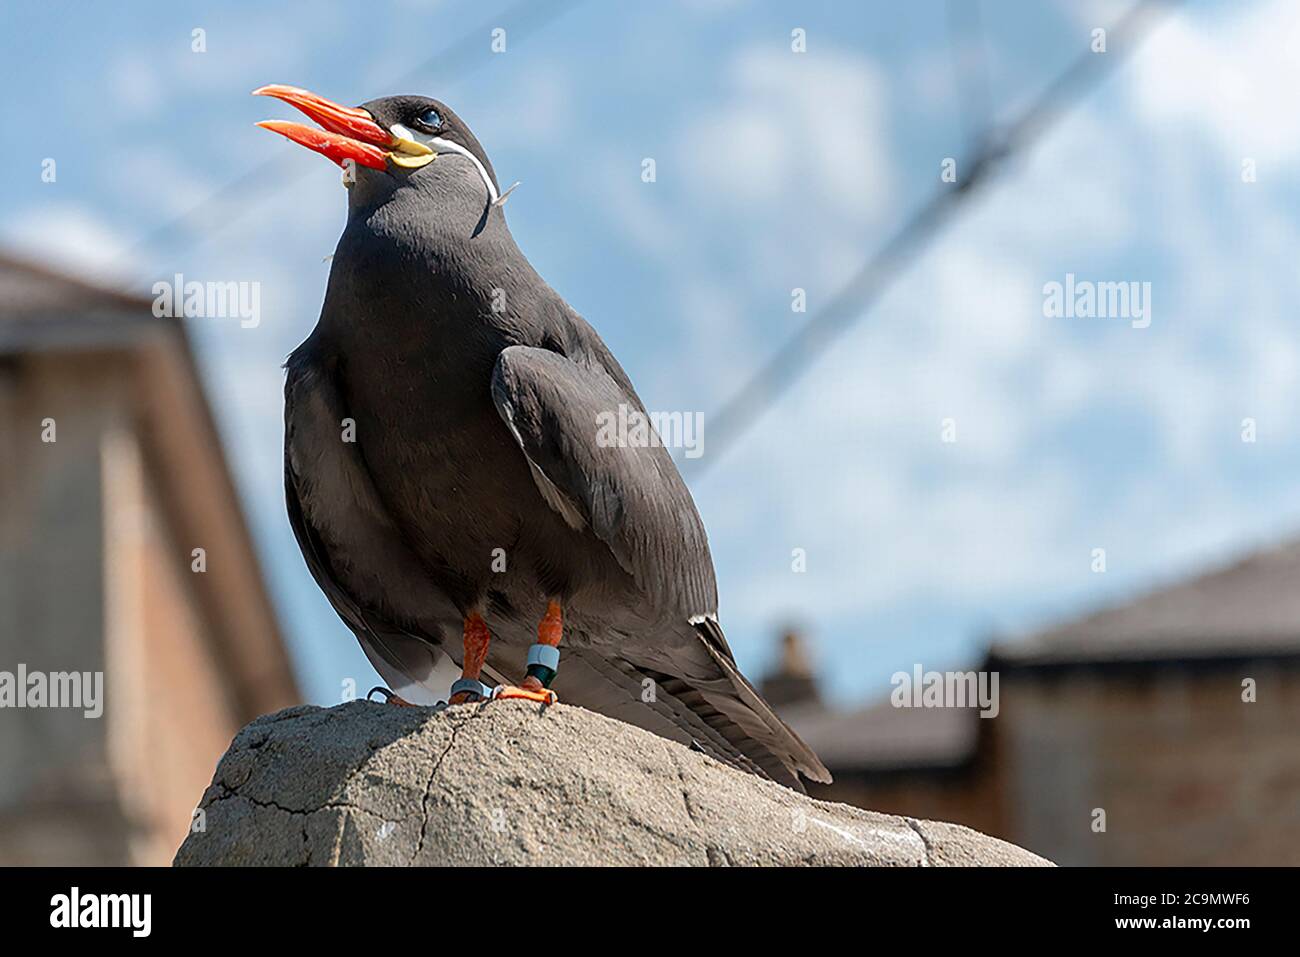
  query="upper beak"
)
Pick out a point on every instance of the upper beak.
point(349, 132)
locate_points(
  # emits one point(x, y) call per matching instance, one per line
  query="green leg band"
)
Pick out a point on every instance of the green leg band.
point(542, 673)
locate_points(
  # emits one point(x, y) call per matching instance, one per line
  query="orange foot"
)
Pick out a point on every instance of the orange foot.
point(532, 690)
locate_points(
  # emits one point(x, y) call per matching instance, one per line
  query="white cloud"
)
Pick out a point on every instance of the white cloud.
point(1231, 78)
point(809, 123)
point(69, 236)
point(789, 162)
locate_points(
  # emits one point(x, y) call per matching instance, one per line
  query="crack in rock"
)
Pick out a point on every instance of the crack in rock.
point(428, 786)
point(306, 815)
point(686, 794)
point(925, 841)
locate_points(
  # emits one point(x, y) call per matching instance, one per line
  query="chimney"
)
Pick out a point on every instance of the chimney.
point(792, 683)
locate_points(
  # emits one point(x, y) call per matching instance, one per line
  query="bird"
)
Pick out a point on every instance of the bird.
point(445, 479)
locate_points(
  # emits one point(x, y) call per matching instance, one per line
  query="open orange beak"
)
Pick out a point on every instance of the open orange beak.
point(348, 132)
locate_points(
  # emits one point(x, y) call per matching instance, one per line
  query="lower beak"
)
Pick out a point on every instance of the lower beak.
point(348, 132)
point(335, 146)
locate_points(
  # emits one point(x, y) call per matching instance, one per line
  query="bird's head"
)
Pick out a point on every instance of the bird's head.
point(389, 141)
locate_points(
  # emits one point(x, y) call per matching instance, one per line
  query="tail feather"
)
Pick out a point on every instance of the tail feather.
point(708, 705)
point(614, 687)
point(748, 709)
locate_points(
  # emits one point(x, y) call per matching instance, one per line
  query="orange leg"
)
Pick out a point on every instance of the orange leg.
point(477, 639)
point(543, 660)
point(549, 632)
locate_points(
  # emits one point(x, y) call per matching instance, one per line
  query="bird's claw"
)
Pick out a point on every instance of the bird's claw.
point(466, 697)
point(390, 697)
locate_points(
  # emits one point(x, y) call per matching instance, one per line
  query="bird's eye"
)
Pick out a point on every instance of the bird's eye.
point(431, 119)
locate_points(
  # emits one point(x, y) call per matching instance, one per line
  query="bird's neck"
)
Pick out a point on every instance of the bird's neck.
point(405, 277)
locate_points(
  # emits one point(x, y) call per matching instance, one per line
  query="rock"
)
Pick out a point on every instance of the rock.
point(509, 782)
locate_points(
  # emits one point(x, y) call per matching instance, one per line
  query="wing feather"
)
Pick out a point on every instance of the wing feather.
point(634, 500)
point(336, 491)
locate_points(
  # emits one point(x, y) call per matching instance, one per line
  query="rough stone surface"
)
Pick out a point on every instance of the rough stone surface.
point(509, 782)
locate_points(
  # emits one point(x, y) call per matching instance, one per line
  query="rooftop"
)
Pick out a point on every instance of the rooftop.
point(1249, 608)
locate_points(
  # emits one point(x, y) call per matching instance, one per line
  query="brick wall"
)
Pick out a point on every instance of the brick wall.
point(1185, 771)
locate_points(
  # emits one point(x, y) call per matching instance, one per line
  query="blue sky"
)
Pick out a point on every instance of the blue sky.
point(775, 170)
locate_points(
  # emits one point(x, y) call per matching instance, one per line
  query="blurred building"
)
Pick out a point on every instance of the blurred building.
point(111, 476)
point(1176, 714)
point(793, 682)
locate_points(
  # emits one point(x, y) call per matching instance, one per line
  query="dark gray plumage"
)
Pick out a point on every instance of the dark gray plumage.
point(474, 391)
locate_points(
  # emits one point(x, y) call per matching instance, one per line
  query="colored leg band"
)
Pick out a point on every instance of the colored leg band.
point(472, 685)
point(543, 663)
